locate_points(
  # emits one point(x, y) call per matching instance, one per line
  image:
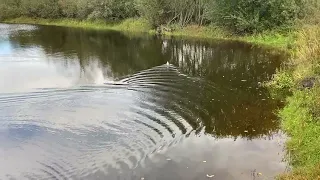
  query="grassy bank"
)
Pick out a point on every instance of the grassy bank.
point(300, 120)
point(132, 25)
point(301, 115)
point(268, 38)
point(272, 39)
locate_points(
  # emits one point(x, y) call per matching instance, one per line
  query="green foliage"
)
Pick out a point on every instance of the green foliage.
point(310, 9)
point(42, 9)
point(122, 9)
point(239, 16)
point(283, 40)
point(281, 85)
point(201, 31)
point(10, 9)
point(80, 9)
point(251, 16)
point(69, 8)
point(131, 24)
point(153, 10)
point(106, 9)
point(179, 12)
point(301, 115)
point(282, 80)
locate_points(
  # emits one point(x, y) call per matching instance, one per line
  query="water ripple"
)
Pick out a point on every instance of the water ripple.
point(145, 112)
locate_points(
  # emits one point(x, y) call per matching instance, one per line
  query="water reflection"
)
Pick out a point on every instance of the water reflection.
point(97, 105)
point(235, 69)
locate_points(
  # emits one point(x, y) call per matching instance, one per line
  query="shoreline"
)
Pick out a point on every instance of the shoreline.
point(300, 117)
point(281, 41)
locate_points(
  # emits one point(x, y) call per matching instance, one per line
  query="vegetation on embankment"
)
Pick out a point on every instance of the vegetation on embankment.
point(238, 16)
point(300, 119)
point(274, 39)
point(259, 21)
point(301, 116)
point(131, 25)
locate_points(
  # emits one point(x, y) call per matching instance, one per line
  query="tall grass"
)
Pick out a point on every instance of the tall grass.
point(283, 40)
point(304, 61)
point(301, 116)
point(200, 31)
point(132, 24)
point(307, 52)
point(300, 120)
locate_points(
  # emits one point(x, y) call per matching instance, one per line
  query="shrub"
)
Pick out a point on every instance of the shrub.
point(180, 12)
point(251, 16)
point(108, 9)
point(41, 8)
point(282, 80)
point(153, 10)
point(239, 16)
point(122, 9)
point(10, 9)
point(69, 8)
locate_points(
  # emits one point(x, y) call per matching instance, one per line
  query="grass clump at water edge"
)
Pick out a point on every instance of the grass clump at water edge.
point(274, 38)
point(132, 24)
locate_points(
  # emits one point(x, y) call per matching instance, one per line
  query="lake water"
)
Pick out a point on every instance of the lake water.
point(86, 104)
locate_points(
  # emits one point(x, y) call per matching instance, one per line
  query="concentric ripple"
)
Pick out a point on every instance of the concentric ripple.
point(92, 129)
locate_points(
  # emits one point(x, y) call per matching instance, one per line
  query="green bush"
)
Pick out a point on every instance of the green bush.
point(41, 8)
point(282, 80)
point(10, 9)
point(107, 9)
point(153, 10)
point(239, 16)
point(69, 8)
point(251, 16)
point(179, 12)
point(122, 9)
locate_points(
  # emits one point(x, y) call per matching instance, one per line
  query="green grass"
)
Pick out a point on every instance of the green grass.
point(132, 25)
point(301, 121)
point(201, 32)
point(271, 39)
point(303, 128)
point(301, 116)
point(282, 40)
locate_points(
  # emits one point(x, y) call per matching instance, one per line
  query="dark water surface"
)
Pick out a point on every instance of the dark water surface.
point(83, 104)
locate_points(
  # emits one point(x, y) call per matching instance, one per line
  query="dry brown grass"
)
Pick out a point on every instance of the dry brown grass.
point(302, 174)
point(307, 53)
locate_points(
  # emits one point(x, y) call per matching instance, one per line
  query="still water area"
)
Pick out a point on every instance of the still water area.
point(88, 104)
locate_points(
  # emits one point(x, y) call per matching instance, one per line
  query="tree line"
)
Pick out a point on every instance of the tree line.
point(239, 16)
